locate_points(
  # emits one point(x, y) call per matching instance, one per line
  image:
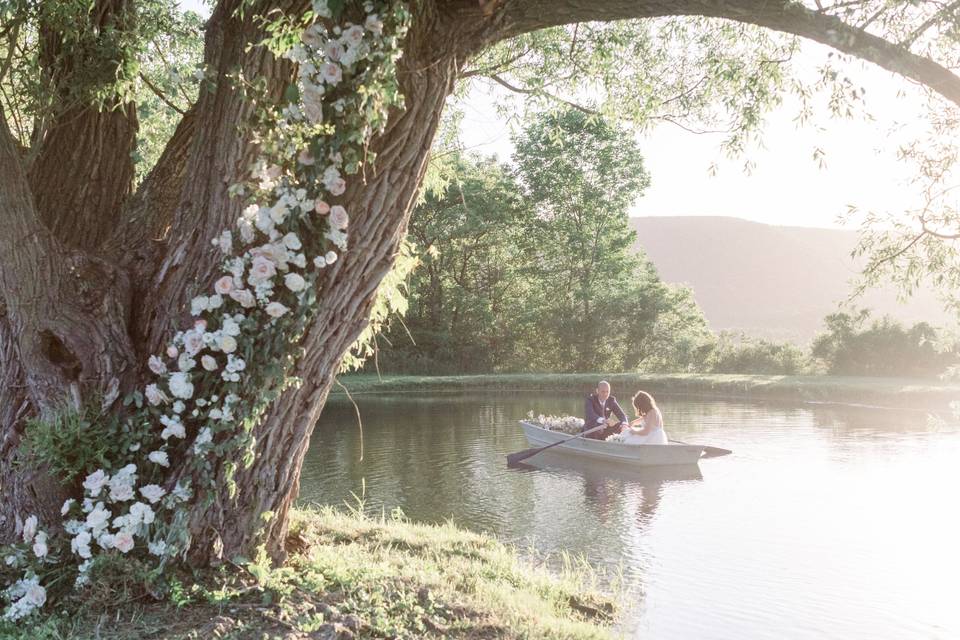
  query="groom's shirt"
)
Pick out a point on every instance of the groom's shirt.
point(596, 412)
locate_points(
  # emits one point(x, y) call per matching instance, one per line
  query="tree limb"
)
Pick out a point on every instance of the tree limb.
point(521, 16)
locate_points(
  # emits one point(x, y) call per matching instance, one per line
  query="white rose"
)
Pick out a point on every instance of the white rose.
point(311, 37)
point(172, 351)
point(97, 519)
point(230, 327)
point(331, 73)
point(95, 481)
point(65, 509)
point(209, 363)
point(331, 257)
point(244, 297)
point(156, 365)
point(353, 35)
point(154, 395)
point(337, 187)
point(224, 285)
point(80, 545)
point(35, 595)
point(294, 282)
point(159, 457)
point(374, 24)
point(180, 385)
point(123, 541)
point(246, 230)
point(29, 528)
point(172, 427)
point(40, 545)
point(228, 344)
point(157, 548)
point(192, 342)
point(185, 362)
point(261, 270)
point(275, 309)
point(339, 217)
point(198, 305)
point(291, 241)
point(121, 493)
point(333, 50)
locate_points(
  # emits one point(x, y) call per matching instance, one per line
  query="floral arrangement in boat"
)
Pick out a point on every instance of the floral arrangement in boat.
point(562, 424)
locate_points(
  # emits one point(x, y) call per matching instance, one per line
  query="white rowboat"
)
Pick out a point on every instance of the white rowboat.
point(642, 455)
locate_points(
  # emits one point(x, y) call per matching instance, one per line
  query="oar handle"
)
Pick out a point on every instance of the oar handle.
point(513, 458)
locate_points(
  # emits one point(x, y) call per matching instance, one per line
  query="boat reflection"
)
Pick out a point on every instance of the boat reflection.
point(608, 484)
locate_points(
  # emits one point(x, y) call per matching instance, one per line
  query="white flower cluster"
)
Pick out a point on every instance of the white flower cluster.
point(562, 424)
point(616, 437)
point(112, 517)
point(27, 594)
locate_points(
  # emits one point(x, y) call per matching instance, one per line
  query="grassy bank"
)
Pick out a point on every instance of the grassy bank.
point(349, 576)
point(879, 391)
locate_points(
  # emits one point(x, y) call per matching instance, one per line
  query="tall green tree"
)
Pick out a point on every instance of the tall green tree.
point(463, 294)
point(580, 175)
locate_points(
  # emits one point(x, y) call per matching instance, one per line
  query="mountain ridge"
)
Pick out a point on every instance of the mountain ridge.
point(768, 281)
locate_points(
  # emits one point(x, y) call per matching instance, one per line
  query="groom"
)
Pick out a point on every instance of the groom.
point(599, 407)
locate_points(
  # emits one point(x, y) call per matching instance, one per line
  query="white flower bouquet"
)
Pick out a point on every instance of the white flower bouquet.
point(562, 424)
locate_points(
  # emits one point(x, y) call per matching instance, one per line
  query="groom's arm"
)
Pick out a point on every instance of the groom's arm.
point(590, 417)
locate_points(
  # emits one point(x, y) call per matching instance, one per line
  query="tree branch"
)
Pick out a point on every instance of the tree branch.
point(522, 16)
point(540, 92)
point(160, 94)
point(951, 8)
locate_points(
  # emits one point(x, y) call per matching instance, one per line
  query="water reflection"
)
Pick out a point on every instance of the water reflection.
point(827, 521)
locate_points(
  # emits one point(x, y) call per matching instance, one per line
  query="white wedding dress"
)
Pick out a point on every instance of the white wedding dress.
point(656, 436)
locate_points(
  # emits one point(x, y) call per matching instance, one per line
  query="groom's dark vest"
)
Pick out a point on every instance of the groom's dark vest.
point(593, 411)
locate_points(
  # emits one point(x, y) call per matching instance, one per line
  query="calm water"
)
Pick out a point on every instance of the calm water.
point(827, 521)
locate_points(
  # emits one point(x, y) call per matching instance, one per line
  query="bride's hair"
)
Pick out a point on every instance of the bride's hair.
point(643, 402)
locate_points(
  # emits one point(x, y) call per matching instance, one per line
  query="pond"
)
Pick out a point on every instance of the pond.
point(827, 521)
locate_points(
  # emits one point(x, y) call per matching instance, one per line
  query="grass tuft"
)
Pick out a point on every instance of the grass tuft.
point(351, 576)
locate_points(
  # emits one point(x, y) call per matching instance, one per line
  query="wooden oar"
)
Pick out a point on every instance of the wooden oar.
point(514, 458)
point(711, 452)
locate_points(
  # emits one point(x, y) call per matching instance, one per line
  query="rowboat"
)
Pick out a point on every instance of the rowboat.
point(641, 455)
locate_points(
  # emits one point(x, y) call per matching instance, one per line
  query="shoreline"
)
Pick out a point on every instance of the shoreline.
point(914, 393)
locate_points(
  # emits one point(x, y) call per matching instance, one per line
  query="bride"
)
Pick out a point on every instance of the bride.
point(648, 427)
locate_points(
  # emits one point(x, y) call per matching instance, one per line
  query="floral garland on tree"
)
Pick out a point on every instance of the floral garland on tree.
point(216, 378)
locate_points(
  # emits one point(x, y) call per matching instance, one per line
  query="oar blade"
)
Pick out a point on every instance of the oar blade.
point(715, 452)
point(520, 456)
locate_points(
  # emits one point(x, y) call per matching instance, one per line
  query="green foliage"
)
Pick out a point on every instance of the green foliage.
point(884, 347)
point(533, 269)
point(75, 443)
point(737, 353)
point(170, 78)
point(391, 302)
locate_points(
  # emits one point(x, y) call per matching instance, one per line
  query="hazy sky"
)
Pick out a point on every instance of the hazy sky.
point(787, 186)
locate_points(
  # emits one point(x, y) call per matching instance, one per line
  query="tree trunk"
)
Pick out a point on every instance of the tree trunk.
point(381, 208)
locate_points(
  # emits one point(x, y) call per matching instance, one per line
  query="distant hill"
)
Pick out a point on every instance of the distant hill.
point(768, 281)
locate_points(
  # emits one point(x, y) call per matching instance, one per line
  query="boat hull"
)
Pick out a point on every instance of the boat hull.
point(640, 455)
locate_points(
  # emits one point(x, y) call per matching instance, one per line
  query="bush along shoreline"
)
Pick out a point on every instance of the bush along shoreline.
point(927, 394)
point(347, 576)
